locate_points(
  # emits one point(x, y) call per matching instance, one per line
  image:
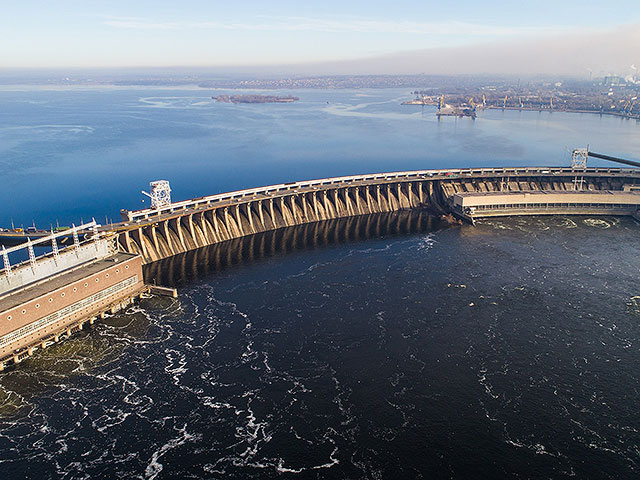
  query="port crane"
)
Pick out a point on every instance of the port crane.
point(629, 105)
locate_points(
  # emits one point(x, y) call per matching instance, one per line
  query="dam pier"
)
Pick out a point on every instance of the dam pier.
point(46, 298)
point(169, 228)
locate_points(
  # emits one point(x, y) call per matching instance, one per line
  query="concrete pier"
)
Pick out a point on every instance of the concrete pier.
point(163, 291)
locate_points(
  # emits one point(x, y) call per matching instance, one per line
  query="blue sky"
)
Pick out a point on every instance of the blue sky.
point(60, 33)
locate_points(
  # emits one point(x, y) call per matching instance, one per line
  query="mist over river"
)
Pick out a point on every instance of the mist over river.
point(381, 346)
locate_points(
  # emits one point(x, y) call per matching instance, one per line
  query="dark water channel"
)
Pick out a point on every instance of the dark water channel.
point(387, 346)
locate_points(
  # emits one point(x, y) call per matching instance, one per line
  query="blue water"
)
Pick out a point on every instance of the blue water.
point(68, 155)
point(381, 346)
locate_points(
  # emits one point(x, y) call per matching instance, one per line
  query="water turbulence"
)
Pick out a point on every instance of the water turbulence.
point(380, 346)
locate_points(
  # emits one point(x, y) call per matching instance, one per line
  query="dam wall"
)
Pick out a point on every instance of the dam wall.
point(184, 226)
point(194, 264)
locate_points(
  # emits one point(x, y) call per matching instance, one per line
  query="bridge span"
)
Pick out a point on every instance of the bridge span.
point(179, 227)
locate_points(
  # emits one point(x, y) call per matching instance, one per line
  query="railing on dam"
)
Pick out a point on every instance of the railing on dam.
point(36, 269)
point(191, 224)
point(129, 216)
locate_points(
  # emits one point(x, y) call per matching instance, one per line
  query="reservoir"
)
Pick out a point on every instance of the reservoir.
point(73, 154)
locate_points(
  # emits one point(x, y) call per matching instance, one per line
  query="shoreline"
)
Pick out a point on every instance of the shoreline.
point(567, 110)
point(548, 110)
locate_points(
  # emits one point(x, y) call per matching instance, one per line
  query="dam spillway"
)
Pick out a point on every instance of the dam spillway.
point(283, 241)
point(170, 230)
point(180, 227)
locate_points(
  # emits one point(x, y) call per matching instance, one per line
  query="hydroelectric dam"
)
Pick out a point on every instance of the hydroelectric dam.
point(47, 298)
point(169, 229)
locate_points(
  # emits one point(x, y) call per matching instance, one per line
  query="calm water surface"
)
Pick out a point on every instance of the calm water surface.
point(72, 154)
point(387, 346)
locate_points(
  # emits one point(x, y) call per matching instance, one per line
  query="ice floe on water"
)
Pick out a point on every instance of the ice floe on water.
point(175, 102)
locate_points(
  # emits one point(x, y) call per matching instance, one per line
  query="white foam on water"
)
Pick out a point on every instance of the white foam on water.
point(597, 223)
point(280, 468)
point(265, 361)
point(104, 422)
point(154, 466)
point(333, 460)
point(176, 364)
point(427, 242)
point(482, 379)
point(49, 128)
point(174, 102)
point(217, 405)
point(345, 110)
point(496, 224)
point(568, 223)
point(298, 386)
point(355, 251)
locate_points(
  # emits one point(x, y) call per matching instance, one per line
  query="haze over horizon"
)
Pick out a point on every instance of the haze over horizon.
point(410, 37)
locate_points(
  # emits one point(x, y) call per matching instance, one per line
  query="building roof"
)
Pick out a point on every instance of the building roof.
point(51, 284)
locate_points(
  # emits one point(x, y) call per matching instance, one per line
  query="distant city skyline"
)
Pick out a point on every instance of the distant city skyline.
point(350, 37)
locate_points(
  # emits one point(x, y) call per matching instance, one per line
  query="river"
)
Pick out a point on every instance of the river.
point(385, 346)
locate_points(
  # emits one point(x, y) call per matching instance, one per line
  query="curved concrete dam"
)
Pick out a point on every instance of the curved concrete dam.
point(183, 226)
point(201, 262)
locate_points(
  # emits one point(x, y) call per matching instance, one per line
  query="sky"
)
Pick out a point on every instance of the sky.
point(328, 33)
